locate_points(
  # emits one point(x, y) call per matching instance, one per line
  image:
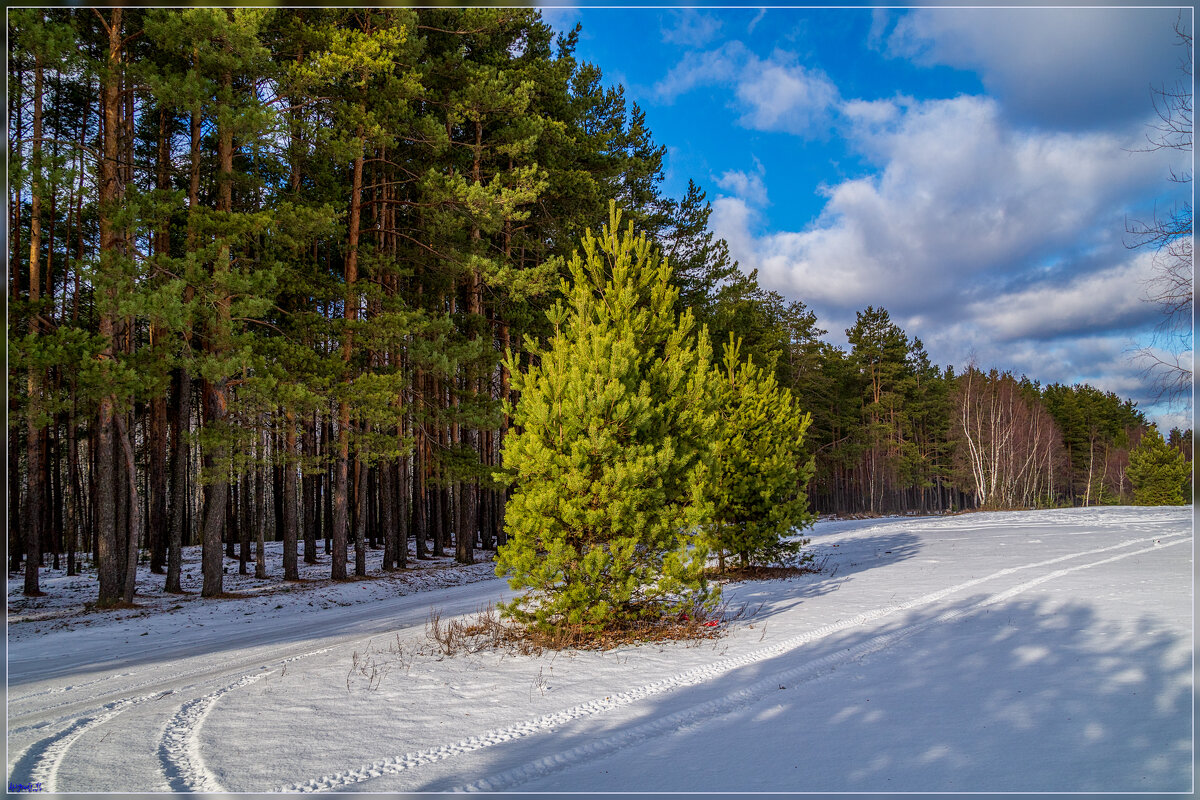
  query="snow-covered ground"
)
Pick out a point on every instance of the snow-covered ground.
point(1034, 651)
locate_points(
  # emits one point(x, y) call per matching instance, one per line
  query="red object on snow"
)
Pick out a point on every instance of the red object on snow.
point(712, 623)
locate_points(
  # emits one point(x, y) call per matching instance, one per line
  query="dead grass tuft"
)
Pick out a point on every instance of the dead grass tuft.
point(760, 573)
point(487, 631)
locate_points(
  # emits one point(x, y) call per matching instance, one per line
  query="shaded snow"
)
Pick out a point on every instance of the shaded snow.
point(1031, 651)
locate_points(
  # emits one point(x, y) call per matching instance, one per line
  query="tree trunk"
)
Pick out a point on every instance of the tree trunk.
point(360, 518)
point(260, 510)
point(180, 486)
point(33, 441)
point(310, 485)
point(130, 582)
point(387, 513)
point(419, 515)
point(291, 570)
point(245, 517)
point(217, 389)
point(216, 497)
point(110, 193)
point(464, 537)
point(404, 498)
point(158, 441)
point(73, 490)
point(328, 480)
point(341, 478)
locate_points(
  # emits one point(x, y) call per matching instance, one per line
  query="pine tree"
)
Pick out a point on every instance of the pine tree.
point(1093, 425)
point(758, 473)
point(1158, 472)
point(879, 349)
point(701, 261)
point(609, 447)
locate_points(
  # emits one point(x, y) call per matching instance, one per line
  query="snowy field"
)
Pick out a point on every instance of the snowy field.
point(999, 652)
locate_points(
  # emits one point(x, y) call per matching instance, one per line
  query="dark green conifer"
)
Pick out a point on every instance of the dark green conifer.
point(1159, 473)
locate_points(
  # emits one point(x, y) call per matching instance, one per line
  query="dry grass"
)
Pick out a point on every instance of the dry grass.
point(487, 631)
point(757, 573)
point(373, 665)
point(793, 566)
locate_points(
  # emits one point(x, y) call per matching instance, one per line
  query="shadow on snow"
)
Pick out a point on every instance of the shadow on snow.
point(1020, 696)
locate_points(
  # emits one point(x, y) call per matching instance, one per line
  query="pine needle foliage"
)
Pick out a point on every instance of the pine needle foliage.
point(1159, 473)
point(758, 472)
point(609, 447)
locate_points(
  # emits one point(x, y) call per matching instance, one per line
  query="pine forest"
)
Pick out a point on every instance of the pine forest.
point(279, 274)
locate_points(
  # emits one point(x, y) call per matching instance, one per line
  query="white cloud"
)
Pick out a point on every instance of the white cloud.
point(748, 186)
point(981, 233)
point(976, 235)
point(774, 94)
point(961, 201)
point(762, 12)
point(1097, 301)
point(1062, 67)
point(691, 28)
point(784, 96)
point(719, 66)
point(871, 112)
point(734, 220)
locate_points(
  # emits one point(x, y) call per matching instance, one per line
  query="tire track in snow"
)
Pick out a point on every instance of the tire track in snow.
point(207, 671)
point(68, 688)
point(142, 685)
point(45, 757)
point(697, 675)
point(79, 707)
point(757, 690)
point(179, 744)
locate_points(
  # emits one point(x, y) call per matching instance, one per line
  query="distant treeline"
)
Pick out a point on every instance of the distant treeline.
point(264, 264)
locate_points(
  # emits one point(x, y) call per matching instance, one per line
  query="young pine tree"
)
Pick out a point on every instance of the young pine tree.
point(608, 448)
point(1158, 472)
point(758, 473)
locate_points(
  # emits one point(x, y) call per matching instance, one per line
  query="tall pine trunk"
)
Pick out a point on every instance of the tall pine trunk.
point(360, 518)
point(110, 194)
point(180, 486)
point(310, 487)
point(350, 314)
point(260, 508)
point(291, 570)
point(158, 438)
point(217, 389)
point(33, 440)
point(131, 555)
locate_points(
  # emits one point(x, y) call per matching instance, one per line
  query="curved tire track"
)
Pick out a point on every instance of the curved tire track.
point(755, 692)
point(548, 722)
point(43, 758)
point(179, 744)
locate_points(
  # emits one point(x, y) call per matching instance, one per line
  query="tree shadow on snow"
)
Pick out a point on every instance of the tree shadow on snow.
point(1021, 696)
point(836, 567)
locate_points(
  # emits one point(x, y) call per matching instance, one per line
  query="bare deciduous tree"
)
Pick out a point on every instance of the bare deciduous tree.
point(1169, 357)
point(1009, 447)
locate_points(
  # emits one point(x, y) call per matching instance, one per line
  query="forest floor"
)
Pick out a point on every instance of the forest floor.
point(1000, 652)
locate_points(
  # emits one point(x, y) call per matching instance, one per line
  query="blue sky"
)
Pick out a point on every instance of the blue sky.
point(968, 169)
